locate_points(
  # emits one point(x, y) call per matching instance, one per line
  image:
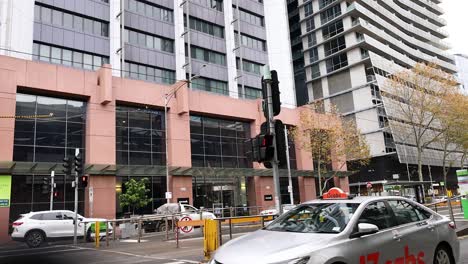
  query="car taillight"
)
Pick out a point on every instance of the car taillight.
point(17, 223)
point(452, 225)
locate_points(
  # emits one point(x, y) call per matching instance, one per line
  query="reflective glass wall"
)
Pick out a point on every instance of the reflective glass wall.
point(140, 136)
point(45, 139)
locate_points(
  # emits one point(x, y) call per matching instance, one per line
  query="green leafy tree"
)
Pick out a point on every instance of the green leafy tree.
point(135, 195)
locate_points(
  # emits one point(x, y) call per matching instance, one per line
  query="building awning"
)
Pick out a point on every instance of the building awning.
point(44, 168)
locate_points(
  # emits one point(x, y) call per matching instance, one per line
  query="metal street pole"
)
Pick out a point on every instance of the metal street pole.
point(75, 227)
point(52, 185)
point(271, 122)
point(166, 101)
point(290, 186)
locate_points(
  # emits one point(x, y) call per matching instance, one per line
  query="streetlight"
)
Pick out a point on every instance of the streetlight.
point(167, 99)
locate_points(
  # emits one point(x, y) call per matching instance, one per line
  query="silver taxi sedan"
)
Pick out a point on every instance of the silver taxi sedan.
point(338, 229)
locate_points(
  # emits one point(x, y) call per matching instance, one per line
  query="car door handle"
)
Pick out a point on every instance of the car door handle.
point(397, 237)
point(430, 227)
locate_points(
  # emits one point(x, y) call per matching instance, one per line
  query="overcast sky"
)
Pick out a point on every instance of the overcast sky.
point(456, 14)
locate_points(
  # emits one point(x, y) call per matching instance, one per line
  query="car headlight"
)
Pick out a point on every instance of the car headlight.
point(303, 260)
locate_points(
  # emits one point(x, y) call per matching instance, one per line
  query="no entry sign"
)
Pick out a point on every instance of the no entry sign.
point(186, 229)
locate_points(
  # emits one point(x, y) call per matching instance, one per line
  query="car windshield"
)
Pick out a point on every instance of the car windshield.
point(315, 218)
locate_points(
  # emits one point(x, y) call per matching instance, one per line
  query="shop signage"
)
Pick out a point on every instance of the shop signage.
point(268, 197)
point(5, 190)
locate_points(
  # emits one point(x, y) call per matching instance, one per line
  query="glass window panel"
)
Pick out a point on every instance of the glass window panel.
point(149, 42)
point(56, 55)
point(46, 15)
point(67, 20)
point(47, 105)
point(77, 59)
point(104, 29)
point(23, 153)
point(140, 158)
point(148, 11)
point(229, 147)
point(37, 13)
point(88, 61)
point(44, 52)
point(141, 39)
point(156, 12)
point(57, 17)
point(197, 144)
point(35, 51)
point(88, 26)
point(213, 161)
point(78, 23)
point(97, 61)
point(45, 154)
point(24, 132)
point(157, 43)
point(140, 139)
point(139, 119)
point(141, 72)
point(212, 145)
point(75, 135)
point(141, 7)
point(97, 28)
point(132, 5)
point(134, 71)
point(66, 57)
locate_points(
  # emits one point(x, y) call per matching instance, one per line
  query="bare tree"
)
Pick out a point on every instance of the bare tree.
point(329, 137)
point(413, 100)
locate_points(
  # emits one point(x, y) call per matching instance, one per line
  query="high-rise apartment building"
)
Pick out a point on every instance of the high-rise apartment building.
point(462, 65)
point(349, 48)
point(154, 44)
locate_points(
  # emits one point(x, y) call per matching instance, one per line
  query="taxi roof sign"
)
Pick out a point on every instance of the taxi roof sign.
point(335, 193)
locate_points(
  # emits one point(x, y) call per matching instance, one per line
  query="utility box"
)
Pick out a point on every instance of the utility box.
point(464, 203)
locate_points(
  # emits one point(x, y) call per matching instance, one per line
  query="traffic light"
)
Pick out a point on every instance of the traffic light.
point(79, 164)
point(67, 166)
point(280, 143)
point(45, 185)
point(83, 181)
point(275, 95)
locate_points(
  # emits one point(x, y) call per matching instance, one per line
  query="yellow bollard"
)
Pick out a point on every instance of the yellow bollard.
point(210, 235)
point(97, 234)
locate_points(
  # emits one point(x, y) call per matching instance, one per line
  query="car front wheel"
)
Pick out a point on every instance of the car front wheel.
point(35, 239)
point(443, 256)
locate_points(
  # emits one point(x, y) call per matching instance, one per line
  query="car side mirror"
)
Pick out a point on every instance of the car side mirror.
point(365, 229)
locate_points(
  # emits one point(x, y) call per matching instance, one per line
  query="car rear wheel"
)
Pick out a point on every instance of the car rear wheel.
point(443, 255)
point(162, 227)
point(35, 239)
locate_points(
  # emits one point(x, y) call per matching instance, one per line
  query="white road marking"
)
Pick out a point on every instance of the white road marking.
point(33, 249)
point(139, 256)
point(41, 253)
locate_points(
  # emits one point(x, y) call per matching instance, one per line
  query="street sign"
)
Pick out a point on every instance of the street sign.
point(396, 176)
point(186, 229)
point(168, 195)
point(91, 194)
point(369, 185)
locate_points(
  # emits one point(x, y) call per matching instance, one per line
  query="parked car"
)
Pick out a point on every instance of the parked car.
point(35, 228)
point(273, 211)
point(180, 211)
point(342, 229)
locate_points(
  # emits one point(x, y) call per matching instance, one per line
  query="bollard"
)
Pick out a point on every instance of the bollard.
point(84, 232)
point(230, 229)
point(139, 230)
point(452, 217)
point(210, 243)
point(177, 236)
point(97, 233)
point(220, 234)
point(263, 221)
point(167, 227)
point(114, 224)
point(107, 233)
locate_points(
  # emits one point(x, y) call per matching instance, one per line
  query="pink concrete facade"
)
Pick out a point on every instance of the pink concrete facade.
point(103, 92)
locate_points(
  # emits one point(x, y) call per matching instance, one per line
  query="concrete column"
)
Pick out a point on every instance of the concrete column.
point(307, 189)
point(100, 145)
point(179, 149)
point(103, 203)
point(7, 126)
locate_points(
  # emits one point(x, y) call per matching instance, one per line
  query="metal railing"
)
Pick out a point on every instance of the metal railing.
point(447, 202)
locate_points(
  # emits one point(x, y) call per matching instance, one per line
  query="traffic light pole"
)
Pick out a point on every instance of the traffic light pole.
point(271, 124)
point(75, 225)
point(290, 187)
point(52, 185)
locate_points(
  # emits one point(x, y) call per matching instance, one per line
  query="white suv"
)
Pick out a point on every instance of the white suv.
point(36, 227)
